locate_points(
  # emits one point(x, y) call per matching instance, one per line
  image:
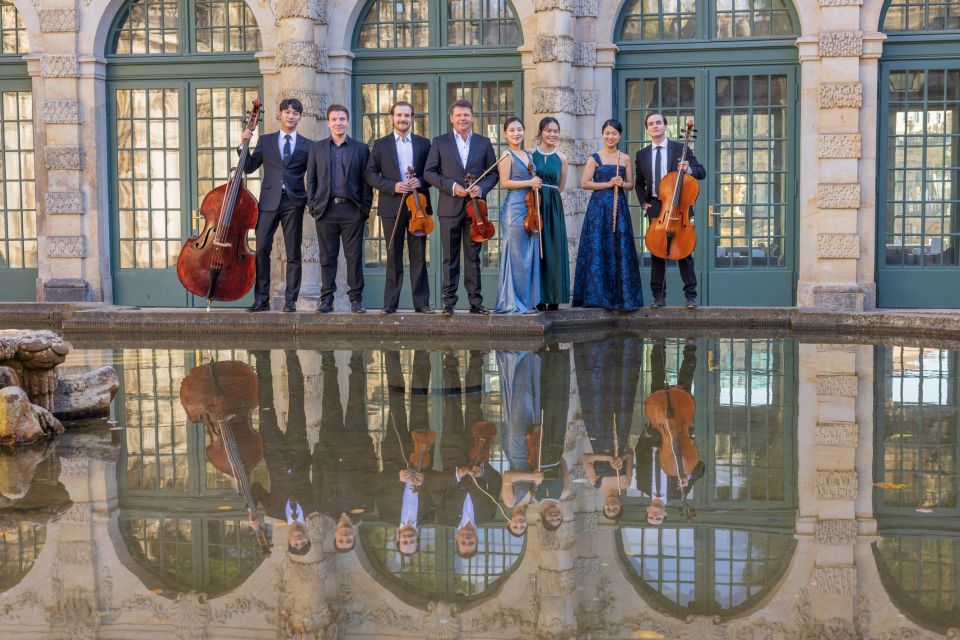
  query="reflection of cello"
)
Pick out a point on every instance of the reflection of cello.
point(221, 396)
point(671, 412)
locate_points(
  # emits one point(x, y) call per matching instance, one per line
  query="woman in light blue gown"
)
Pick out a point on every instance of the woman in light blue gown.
point(519, 288)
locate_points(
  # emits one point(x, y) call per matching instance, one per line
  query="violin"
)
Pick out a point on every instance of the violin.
point(483, 434)
point(422, 449)
point(534, 442)
point(481, 229)
point(217, 264)
point(671, 412)
point(421, 224)
point(671, 235)
point(532, 223)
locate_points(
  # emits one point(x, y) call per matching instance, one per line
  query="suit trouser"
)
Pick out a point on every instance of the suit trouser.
point(341, 222)
point(658, 269)
point(290, 217)
point(454, 231)
point(417, 248)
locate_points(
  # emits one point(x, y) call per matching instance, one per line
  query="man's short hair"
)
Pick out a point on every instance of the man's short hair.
point(549, 526)
point(291, 103)
point(299, 552)
point(461, 104)
point(654, 113)
point(469, 554)
point(337, 107)
point(401, 103)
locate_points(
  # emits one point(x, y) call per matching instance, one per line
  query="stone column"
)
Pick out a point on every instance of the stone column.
point(834, 216)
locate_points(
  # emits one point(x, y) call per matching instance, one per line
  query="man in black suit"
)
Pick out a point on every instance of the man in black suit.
point(387, 173)
point(452, 156)
point(340, 201)
point(653, 162)
point(282, 197)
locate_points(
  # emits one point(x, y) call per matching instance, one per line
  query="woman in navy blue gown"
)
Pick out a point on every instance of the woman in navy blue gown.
point(608, 271)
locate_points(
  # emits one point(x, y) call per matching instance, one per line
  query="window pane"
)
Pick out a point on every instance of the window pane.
point(13, 33)
point(650, 21)
point(487, 23)
point(149, 26)
point(18, 215)
point(391, 24)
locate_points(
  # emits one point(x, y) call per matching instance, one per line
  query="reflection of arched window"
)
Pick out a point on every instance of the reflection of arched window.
point(436, 572)
point(921, 574)
point(705, 570)
point(19, 547)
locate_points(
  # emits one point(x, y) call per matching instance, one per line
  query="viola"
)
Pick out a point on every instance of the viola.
point(671, 235)
point(532, 223)
point(481, 229)
point(422, 449)
point(421, 224)
point(217, 264)
point(483, 434)
point(671, 412)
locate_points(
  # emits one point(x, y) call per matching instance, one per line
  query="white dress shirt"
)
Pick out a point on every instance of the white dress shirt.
point(655, 486)
point(404, 153)
point(411, 504)
point(293, 512)
point(467, 513)
point(463, 146)
point(282, 139)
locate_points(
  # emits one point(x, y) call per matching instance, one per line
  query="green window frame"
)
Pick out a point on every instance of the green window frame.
point(397, 24)
point(650, 21)
point(20, 546)
point(169, 27)
point(13, 32)
point(911, 16)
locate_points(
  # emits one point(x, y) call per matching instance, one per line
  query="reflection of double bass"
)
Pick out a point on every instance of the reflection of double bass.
point(671, 412)
point(221, 396)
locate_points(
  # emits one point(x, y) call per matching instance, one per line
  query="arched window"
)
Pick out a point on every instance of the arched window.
point(182, 76)
point(686, 59)
point(18, 202)
point(435, 36)
point(918, 205)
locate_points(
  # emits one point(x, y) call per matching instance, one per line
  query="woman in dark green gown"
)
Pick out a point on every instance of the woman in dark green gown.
point(551, 167)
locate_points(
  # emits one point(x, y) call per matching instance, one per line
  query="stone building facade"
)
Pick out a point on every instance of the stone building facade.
point(805, 202)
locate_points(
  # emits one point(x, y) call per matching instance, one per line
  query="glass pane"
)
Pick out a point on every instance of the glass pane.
point(921, 15)
point(650, 21)
point(225, 25)
point(148, 27)
point(13, 32)
point(488, 23)
point(18, 216)
point(392, 24)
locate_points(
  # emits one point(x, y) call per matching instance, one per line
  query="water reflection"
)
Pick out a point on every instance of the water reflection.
point(629, 485)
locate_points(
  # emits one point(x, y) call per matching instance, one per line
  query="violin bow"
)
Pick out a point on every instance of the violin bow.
point(540, 446)
point(491, 168)
point(616, 438)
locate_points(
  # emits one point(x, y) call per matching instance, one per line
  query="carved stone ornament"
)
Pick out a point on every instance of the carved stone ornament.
point(58, 20)
point(315, 10)
point(575, 201)
point(63, 158)
point(301, 54)
point(66, 247)
point(837, 434)
point(564, 100)
point(60, 111)
point(840, 95)
point(314, 103)
point(838, 246)
point(841, 44)
point(835, 580)
point(836, 531)
point(838, 195)
point(841, 3)
point(59, 66)
point(831, 385)
point(587, 521)
point(836, 485)
point(555, 5)
point(63, 202)
point(75, 551)
point(838, 146)
point(577, 150)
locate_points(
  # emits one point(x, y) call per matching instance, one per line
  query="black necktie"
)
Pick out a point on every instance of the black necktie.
point(656, 172)
point(286, 148)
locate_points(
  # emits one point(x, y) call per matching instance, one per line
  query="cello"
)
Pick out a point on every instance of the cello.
point(671, 235)
point(671, 412)
point(217, 264)
point(420, 224)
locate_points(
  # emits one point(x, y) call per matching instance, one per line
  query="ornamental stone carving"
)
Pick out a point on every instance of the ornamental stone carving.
point(315, 10)
point(63, 202)
point(314, 103)
point(563, 538)
point(575, 201)
point(836, 485)
point(838, 195)
point(553, 48)
point(838, 145)
point(556, 583)
point(75, 551)
point(837, 434)
point(60, 111)
point(577, 150)
point(845, 386)
point(841, 3)
point(63, 158)
point(834, 580)
point(836, 531)
point(564, 100)
point(838, 245)
point(587, 521)
point(840, 44)
point(587, 568)
point(586, 8)
point(66, 247)
point(58, 20)
point(840, 95)
point(74, 467)
point(585, 54)
point(301, 54)
point(555, 5)
point(59, 66)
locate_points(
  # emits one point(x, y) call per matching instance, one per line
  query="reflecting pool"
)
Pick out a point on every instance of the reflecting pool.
point(620, 487)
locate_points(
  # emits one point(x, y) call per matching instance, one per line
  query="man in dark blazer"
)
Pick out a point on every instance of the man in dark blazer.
point(340, 201)
point(387, 173)
point(452, 156)
point(653, 162)
point(283, 156)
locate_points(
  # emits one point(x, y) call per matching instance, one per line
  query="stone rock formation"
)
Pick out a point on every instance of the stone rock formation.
point(21, 421)
point(86, 395)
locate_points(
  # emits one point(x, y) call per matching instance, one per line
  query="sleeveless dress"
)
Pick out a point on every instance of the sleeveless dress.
point(519, 287)
point(608, 271)
point(555, 265)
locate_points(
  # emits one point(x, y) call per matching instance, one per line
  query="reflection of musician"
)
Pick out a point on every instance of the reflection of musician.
point(344, 462)
point(469, 484)
point(653, 162)
point(287, 452)
point(607, 376)
point(652, 477)
point(402, 495)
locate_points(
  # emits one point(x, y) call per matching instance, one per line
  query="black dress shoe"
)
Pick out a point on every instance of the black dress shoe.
point(541, 306)
point(425, 309)
point(387, 311)
point(448, 310)
point(357, 307)
point(479, 309)
point(290, 307)
point(325, 307)
point(256, 307)
point(553, 306)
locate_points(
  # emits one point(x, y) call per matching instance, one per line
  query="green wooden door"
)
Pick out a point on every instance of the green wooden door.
point(18, 205)
point(745, 214)
point(175, 140)
point(494, 96)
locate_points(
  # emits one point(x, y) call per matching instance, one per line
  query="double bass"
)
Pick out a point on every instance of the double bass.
point(671, 235)
point(217, 264)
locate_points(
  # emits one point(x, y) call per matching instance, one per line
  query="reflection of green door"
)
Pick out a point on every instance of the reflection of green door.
point(494, 96)
point(175, 141)
point(745, 119)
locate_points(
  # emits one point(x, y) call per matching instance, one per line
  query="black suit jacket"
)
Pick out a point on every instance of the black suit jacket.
point(276, 173)
point(444, 168)
point(383, 172)
point(453, 493)
point(644, 170)
point(355, 158)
